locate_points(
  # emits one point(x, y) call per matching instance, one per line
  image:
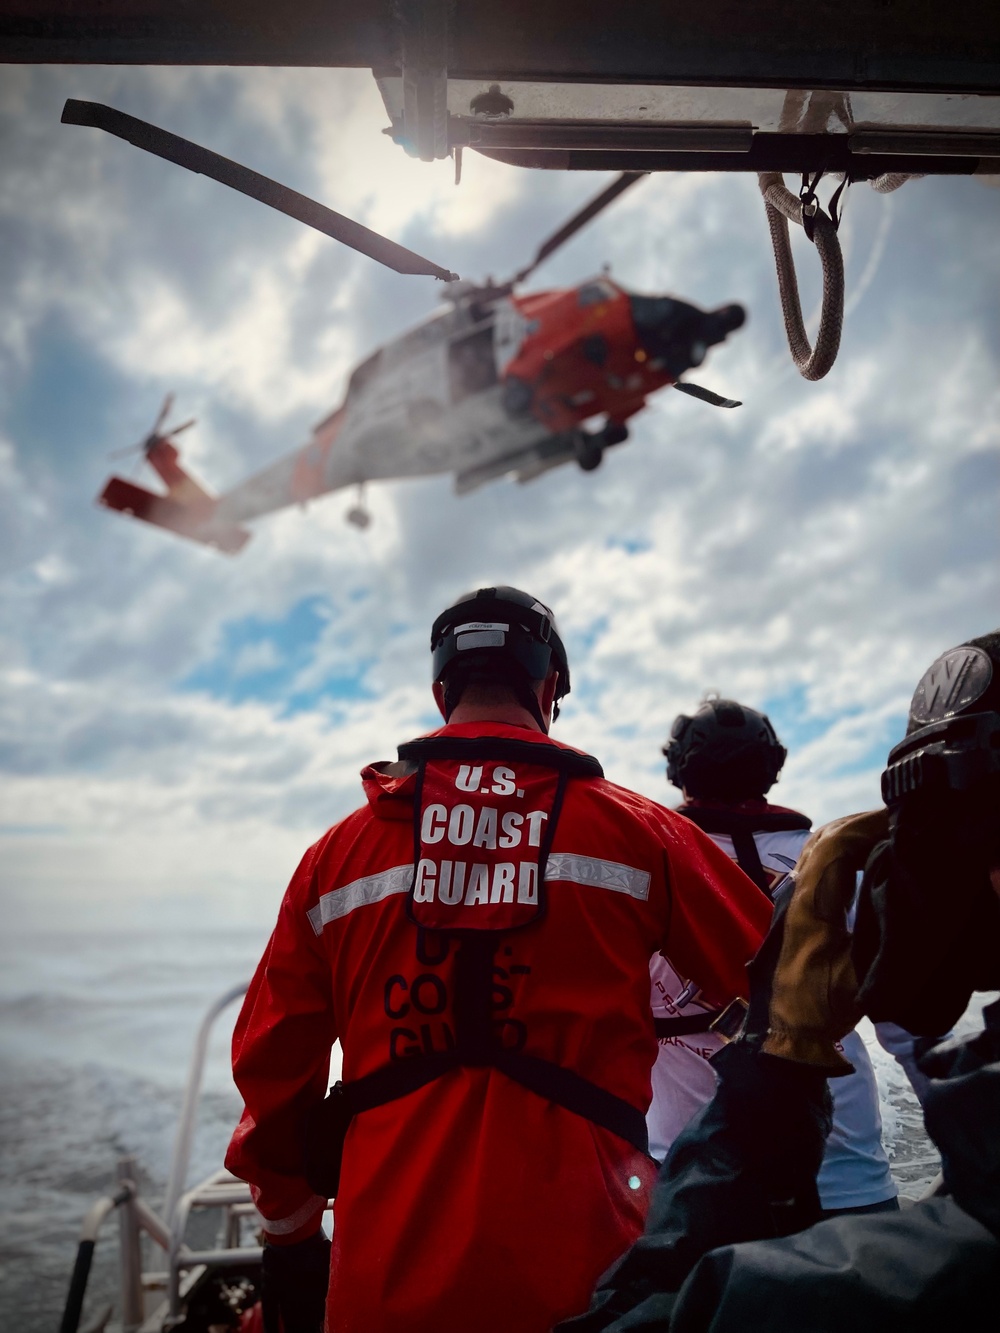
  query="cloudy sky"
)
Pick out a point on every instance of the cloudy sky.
point(176, 727)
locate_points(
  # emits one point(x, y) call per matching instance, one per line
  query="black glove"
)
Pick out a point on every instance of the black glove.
point(928, 926)
point(293, 1287)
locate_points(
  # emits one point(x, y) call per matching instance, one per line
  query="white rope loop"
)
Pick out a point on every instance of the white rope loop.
point(891, 180)
point(782, 206)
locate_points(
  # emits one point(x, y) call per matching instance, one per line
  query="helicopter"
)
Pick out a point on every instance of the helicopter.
point(494, 384)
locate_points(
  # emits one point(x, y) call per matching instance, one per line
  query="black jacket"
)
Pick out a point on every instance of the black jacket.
point(712, 1258)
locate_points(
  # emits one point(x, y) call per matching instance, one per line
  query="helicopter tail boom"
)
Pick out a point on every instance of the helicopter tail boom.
point(191, 519)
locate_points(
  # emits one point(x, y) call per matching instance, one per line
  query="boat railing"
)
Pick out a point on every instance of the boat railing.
point(184, 1265)
point(181, 1160)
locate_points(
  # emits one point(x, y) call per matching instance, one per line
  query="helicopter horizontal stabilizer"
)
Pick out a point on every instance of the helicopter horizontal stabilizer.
point(193, 521)
point(706, 395)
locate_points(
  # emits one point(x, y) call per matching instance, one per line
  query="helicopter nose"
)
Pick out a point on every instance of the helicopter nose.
point(678, 334)
point(727, 319)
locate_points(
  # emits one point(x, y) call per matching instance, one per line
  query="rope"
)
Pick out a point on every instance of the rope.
point(782, 206)
point(891, 180)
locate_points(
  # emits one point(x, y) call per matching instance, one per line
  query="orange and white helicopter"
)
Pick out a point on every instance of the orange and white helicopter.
point(495, 384)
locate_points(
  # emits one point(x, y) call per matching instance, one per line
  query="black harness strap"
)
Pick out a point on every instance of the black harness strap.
point(575, 1093)
point(748, 858)
point(686, 1025)
point(741, 825)
point(477, 1046)
point(473, 1006)
point(562, 1086)
point(397, 1080)
point(501, 748)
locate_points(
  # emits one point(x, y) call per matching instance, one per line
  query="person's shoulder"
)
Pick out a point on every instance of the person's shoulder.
point(641, 807)
point(323, 864)
point(788, 812)
point(344, 830)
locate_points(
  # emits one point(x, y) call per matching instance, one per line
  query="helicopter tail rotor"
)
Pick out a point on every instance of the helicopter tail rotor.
point(187, 508)
point(157, 434)
point(165, 410)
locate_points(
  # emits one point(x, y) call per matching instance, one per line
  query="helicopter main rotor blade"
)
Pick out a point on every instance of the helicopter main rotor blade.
point(581, 219)
point(206, 163)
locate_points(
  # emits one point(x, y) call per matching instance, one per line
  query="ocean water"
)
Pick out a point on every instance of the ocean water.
point(96, 1035)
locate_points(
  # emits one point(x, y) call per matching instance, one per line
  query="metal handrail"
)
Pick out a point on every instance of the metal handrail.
point(137, 1216)
point(85, 1254)
point(185, 1126)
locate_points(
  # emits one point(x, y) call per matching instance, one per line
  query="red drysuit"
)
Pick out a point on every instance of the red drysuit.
point(473, 1202)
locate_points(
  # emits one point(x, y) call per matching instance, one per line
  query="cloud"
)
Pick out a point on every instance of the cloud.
point(170, 727)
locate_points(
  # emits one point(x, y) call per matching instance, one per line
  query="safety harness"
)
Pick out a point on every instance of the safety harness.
point(740, 825)
point(485, 814)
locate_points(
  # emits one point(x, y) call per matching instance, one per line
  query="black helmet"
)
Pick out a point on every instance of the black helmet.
point(928, 924)
point(726, 752)
point(962, 680)
point(498, 633)
point(953, 731)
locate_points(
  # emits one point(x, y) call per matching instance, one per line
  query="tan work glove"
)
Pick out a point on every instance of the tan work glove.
point(813, 1002)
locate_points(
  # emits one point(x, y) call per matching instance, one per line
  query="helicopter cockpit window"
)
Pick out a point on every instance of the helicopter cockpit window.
point(471, 363)
point(362, 375)
point(593, 293)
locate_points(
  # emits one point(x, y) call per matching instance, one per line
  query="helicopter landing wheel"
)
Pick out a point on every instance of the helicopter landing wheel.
point(615, 432)
point(589, 452)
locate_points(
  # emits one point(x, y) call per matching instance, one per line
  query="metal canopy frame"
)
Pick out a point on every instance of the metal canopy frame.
point(902, 44)
point(935, 66)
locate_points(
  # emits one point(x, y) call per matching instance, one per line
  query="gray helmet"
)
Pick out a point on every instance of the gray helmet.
point(726, 752)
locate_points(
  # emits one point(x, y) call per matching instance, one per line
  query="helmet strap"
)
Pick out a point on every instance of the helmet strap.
point(530, 700)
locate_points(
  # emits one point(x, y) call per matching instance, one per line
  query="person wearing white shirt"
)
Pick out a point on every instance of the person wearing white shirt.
point(725, 759)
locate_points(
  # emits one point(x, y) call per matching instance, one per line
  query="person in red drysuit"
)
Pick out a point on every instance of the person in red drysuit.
point(477, 937)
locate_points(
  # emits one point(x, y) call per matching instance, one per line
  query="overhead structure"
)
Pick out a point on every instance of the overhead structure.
point(867, 90)
point(866, 87)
